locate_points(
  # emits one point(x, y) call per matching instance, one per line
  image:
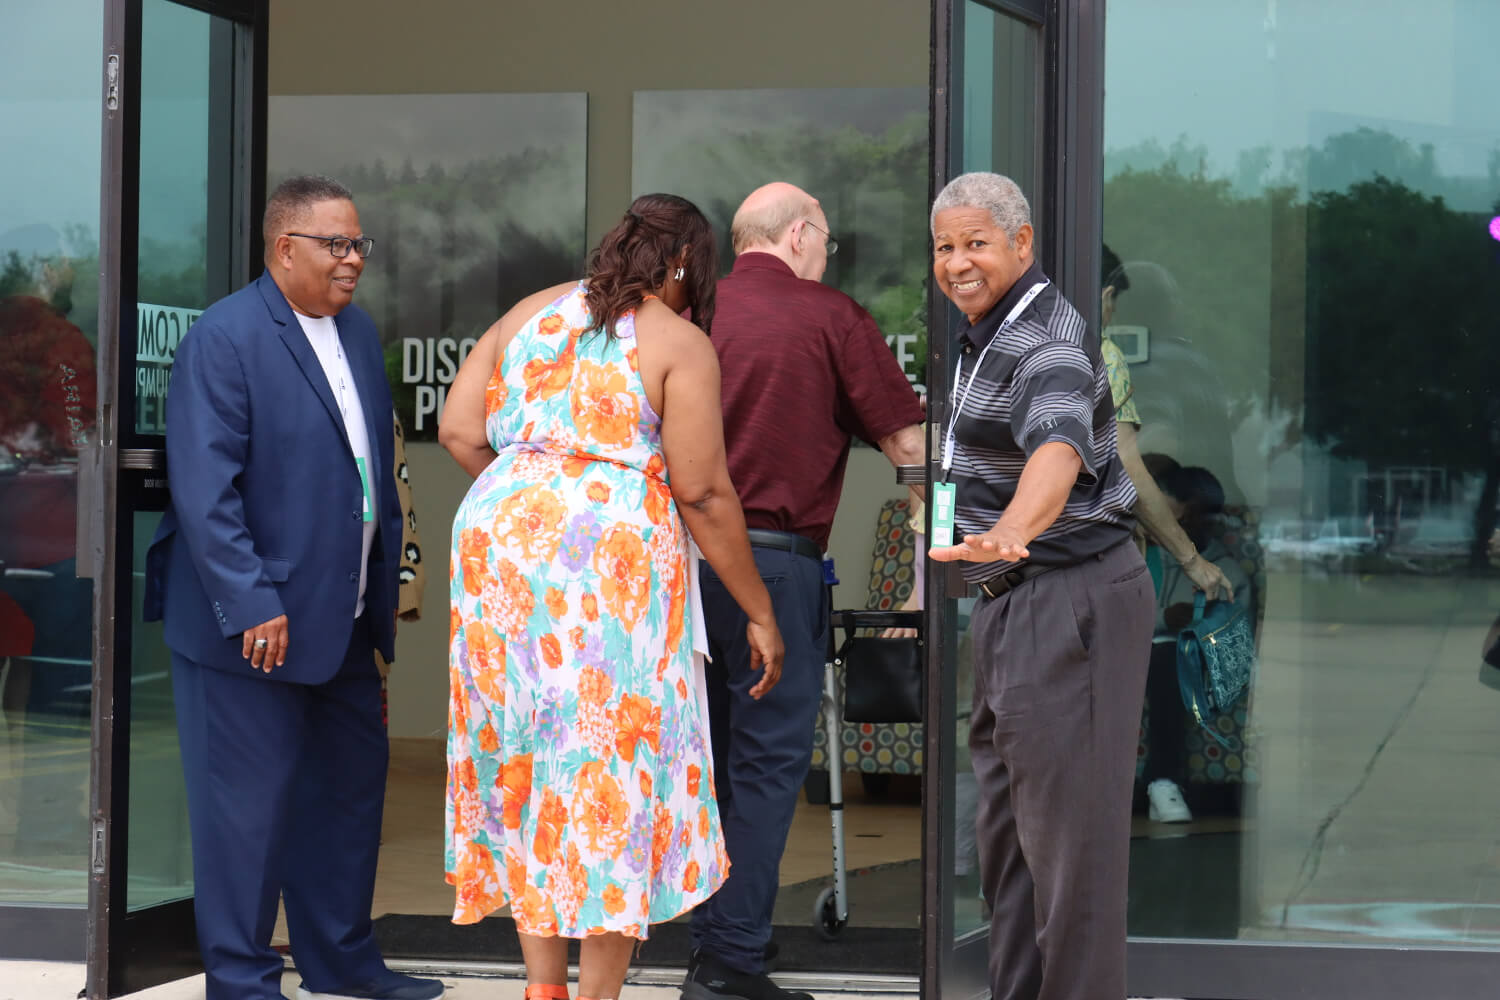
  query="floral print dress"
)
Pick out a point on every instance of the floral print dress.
point(579, 789)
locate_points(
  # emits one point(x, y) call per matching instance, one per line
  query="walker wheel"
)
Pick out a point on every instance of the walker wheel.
point(826, 916)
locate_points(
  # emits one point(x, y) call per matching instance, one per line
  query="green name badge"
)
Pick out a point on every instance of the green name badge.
point(364, 482)
point(942, 514)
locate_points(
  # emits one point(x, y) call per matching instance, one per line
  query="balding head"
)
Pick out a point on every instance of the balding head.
point(775, 219)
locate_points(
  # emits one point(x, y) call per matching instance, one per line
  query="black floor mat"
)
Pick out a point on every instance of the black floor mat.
point(872, 949)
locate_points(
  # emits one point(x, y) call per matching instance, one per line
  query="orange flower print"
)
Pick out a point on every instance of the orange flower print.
point(638, 721)
point(551, 325)
point(496, 394)
point(676, 608)
point(645, 780)
point(473, 553)
point(594, 686)
point(690, 877)
point(694, 779)
point(703, 822)
point(598, 492)
point(658, 500)
point(569, 886)
point(590, 608)
point(534, 913)
point(508, 607)
point(557, 603)
point(489, 740)
point(604, 408)
point(661, 837)
point(515, 873)
point(486, 661)
point(681, 688)
point(532, 521)
point(620, 559)
point(578, 637)
point(574, 466)
point(551, 818)
point(546, 377)
point(614, 900)
point(515, 789)
point(477, 881)
point(551, 651)
point(600, 809)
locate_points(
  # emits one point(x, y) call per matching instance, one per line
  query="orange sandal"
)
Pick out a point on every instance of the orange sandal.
point(546, 991)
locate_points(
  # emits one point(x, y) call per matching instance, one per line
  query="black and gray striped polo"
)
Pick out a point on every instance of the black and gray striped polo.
point(1043, 380)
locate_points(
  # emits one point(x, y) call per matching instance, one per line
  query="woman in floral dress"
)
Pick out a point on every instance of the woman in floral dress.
point(579, 784)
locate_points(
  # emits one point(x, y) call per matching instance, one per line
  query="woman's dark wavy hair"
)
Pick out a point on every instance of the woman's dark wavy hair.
point(632, 259)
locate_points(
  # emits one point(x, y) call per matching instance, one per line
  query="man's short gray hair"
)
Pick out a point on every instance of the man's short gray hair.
point(995, 193)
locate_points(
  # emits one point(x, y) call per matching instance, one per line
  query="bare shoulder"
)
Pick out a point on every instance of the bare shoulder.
point(494, 340)
point(668, 336)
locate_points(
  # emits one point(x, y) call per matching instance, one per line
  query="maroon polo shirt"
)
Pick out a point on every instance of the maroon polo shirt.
point(805, 370)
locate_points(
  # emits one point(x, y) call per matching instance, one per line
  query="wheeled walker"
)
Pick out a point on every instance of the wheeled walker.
point(831, 909)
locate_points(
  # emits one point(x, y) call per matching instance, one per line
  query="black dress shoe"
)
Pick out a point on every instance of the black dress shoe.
point(710, 979)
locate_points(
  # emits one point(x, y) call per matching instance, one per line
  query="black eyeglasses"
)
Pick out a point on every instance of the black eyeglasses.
point(833, 244)
point(340, 246)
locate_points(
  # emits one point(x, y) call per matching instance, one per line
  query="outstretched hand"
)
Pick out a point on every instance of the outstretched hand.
point(996, 545)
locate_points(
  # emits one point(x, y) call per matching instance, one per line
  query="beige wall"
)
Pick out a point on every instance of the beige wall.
point(609, 50)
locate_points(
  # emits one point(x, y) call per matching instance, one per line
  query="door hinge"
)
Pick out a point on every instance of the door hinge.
point(112, 83)
point(96, 859)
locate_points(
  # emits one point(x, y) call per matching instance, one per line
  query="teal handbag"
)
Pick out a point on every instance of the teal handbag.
point(1215, 658)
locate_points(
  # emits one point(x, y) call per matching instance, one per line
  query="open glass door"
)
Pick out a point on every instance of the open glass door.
point(183, 140)
point(1005, 99)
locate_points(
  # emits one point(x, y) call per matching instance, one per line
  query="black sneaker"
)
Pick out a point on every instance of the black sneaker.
point(710, 979)
point(390, 986)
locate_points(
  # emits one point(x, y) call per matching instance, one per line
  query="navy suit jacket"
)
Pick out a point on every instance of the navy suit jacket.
point(266, 510)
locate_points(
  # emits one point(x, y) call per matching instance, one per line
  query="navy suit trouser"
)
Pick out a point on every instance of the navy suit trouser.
point(762, 749)
point(285, 791)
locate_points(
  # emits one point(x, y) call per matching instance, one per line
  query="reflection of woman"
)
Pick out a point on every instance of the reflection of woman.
point(579, 789)
point(1197, 501)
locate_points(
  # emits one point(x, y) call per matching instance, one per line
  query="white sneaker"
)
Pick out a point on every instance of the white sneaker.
point(1167, 805)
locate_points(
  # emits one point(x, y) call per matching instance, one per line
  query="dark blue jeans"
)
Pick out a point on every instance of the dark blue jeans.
point(761, 748)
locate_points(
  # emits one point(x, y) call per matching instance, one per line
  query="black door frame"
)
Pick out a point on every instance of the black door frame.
point(121, 472)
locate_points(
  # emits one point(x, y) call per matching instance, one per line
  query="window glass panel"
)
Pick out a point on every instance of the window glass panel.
point(1310, 316)
point(49, 269)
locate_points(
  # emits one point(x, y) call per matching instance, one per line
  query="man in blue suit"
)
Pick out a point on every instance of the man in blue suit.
point(275, 572)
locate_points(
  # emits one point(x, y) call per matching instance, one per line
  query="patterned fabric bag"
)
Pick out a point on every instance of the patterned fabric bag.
point(1215, 656)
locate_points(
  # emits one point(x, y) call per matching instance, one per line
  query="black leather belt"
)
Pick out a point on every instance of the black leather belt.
point(795, 544)
point(1004, 583)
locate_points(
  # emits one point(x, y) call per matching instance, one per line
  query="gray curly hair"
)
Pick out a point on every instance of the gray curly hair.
point(995, 193)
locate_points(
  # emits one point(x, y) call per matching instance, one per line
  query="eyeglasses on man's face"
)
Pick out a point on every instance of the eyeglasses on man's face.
point(833, 244)
point(340, 246)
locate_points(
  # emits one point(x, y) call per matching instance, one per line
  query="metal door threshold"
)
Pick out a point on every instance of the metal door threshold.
point(649, 975)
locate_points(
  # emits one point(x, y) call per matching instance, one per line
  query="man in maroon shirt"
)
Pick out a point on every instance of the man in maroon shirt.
point(805, 370)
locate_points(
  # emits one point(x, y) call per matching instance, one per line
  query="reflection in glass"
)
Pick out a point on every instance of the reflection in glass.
point(161, 859)
point(861, 151)
point(1307, 249)
point(477, 200)
point(49, 265)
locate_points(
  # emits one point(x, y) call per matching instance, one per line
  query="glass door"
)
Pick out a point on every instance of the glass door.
point(185, 132)
point(1012, 93)
point(49, 328)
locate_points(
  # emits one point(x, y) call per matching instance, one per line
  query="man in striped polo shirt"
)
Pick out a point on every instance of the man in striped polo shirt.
point(1062, 634)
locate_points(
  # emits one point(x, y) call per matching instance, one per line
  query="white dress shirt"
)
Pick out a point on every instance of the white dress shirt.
point(323, 335)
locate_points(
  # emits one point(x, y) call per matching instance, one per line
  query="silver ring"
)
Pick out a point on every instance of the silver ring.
point(260, 644)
